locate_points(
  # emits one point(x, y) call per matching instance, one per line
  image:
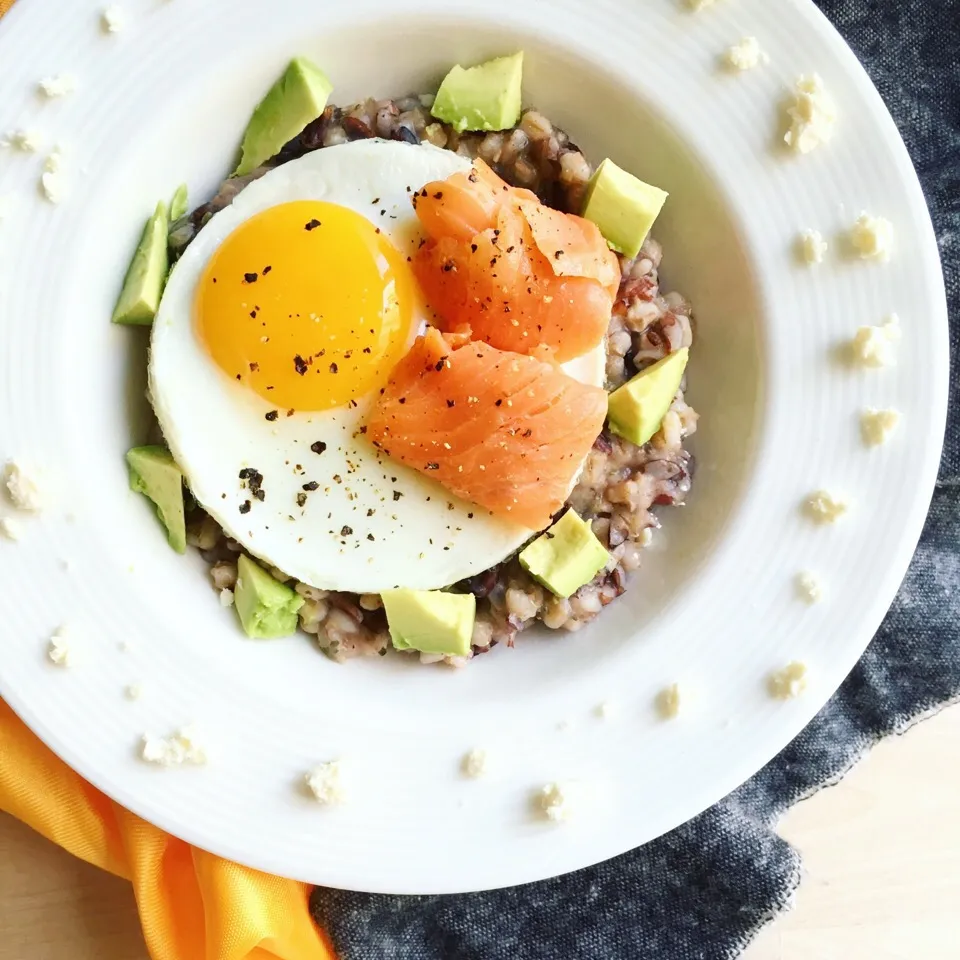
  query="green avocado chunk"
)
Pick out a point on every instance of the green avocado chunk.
point(147, 273)
point(566, 556)
point(154, 474)
point(431, 621)
point(295, 100)
point(485, 97)
point(622, 206)
point(636, 409)
point(178, 203)
point(267, 608)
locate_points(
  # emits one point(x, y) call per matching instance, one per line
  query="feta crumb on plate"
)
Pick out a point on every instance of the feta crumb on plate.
point(808, 588)
point(872, 237)
point(877, 425)
point(174, 751)
point(133, 691)
point(51, 183)
point(57, 86)
point(113, 19)
point(58, 650)
point(325, 782)
point(789, 682)
point(474, 763)
point(29, 141)
point(812, 114)
point(558, 801)
point(823, 507)
point(606, 710)
point(745, 55)
point(22, 487)
point(875, 346)
point(226, 598)
point(812, 246)
point(9, 528)
point(667, 701)
point(699, 4)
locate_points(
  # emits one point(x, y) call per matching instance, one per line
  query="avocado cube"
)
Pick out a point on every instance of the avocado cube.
point(295, 100)
point(267, 608)
point(178, 203)
point(484, 97)
point(430, 621)
point(566, 556)
point(635, 410)
point(154, 474)
point(147, 273)
point(622, 206)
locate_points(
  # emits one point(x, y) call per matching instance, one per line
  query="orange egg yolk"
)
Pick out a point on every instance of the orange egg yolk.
point(308, 304)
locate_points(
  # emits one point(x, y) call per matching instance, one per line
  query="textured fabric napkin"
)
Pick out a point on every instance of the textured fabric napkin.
point(702, 891)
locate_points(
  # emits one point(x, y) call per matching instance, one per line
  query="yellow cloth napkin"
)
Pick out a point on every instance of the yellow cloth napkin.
point(193, 905)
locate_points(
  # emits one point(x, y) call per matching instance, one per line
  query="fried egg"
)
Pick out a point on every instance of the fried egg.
point(277, 328)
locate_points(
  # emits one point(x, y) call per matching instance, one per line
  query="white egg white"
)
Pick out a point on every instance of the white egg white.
point(372, 523)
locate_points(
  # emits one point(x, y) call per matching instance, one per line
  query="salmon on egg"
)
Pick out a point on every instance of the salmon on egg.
point(278, 329)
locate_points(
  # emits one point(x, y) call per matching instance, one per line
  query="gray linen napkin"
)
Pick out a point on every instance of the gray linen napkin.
point(705, 889)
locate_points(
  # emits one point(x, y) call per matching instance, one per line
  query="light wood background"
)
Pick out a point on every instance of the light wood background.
point(881, 852)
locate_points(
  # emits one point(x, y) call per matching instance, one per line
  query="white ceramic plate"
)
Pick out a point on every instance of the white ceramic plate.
point(714, 608)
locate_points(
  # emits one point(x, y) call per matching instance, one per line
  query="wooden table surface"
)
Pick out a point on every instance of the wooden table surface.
point(881, 852)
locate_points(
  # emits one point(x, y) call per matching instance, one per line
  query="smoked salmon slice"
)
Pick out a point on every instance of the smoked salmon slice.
point(514, 273)
point(502, 430)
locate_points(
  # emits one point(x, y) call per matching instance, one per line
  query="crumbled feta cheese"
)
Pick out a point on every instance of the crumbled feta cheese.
point(9, 528)
point(872, 237)
point(877, 425)
point(51, 183)
point(58, 650)
point(22, 488)
point(808, 588)
point(325, 783)
point(54, 159)
point(646, 537)
point(29, 141)
point(822, 507)
point(698, 4)
point(606, 710)
point(812, 246)
point(474, 763)
point(133, 691)
point(113, 19)
point(182, 747)
point(789, 682)
point(58, 86)
point(226, 598)
point(558, 801)
point(812, 115)
point(667, 701)
point(875, 346)
point(745, 55)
